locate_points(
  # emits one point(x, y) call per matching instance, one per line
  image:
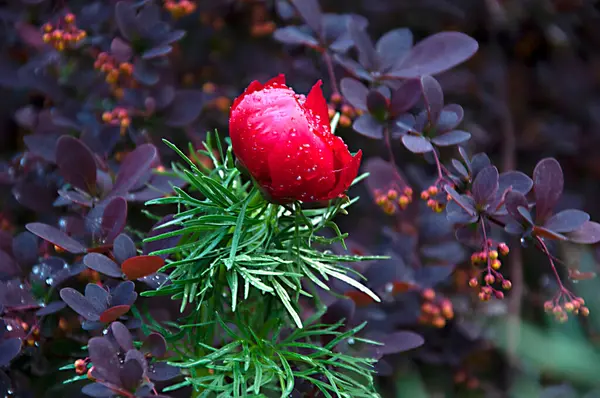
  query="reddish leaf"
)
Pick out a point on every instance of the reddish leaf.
point(360, 299)
point(140, 266)
point(55, 237)
point(113, 313)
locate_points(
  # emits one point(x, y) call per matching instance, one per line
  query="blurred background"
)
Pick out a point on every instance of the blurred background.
point(531, 91)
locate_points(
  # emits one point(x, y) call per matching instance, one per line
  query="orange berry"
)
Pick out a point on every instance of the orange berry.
point(429, 294)
point(424, 195)
point(89, 374)
point(493, 254)
point(57, 34)
point(439, 322)
point(125, 122)
point(506, 285)
point(107, 117)
point(496, 264)
point(336, 98)
point(392, 194)
point(47, 38)
point(126, 68)
point(473, 282)
point(408, 191)
point(439, 207)
point(433, 190)
point(569, 307)
point(403, 202)
point(331, 112)
point(209, 87)
point(585, 311)
point(503, 249)
point(63, 324)
point(431, 203)
point(347, 110)
point(69, 18)
point(345, 121)
point(47, 27)
point(489, 279)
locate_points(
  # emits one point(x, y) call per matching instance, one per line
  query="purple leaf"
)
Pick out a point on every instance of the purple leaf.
point(51, 308)
point(140, 266)
point(457, 215)
point(123, 248)
point(97, 296)
point(76, 197)
point(135, 165)
point(293, 35)
point(435, 54)
point(393, 46)
point(433, 96)
point(416, 144)
point(126, 20)
point(354, 92)
point(548, 185)
point(155, 344)
point(120, 50)
point(516, 181)
point(123, 294)
point(122, 336)
point(185, 108)
point(367, 56)
point(114, 218)
point(397, 342)
point(377, 103)
point(9, 349)
point(341, 309)
point(567, 220)
point(453, 137)
point(461, 200)
point(479, 162)
point(368, 126)
point(114, 313)
point(42, 145)
point(76, 163)
point(513, 201)
point(449, 118)
point(145, 73)
point(97, 390)
point(8, 267)
point(310, 11)
point(405, 97)
point(588, 233)
point(524, 212)
point(102, 264)
point(104, 358)
point(161, 371)
point(485, 185)
point(548, 234)
point(56, 237)
point(156, 52)
point(78, 303)
point(131, 374)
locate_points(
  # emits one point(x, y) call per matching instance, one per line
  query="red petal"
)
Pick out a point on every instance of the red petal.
point(316, 103)
point(346, 175)
point(253, 87)
point(276, 81)
point(114, 313)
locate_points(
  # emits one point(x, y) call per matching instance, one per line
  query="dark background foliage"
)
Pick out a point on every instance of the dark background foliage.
point(81, 152)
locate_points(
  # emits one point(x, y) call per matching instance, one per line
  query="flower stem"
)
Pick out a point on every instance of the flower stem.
point(330, 71)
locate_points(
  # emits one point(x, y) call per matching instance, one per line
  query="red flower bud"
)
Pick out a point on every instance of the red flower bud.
point(285, 142)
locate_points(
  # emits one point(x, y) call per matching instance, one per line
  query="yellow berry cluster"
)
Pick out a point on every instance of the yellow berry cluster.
point(489, 258)
point(573, 305)
point(435, 311)
point(65, 35)
point(431, 195)
point(348, 112)
point(117, 75)
point(391, 200)
point(117, 117)
point(180, 8)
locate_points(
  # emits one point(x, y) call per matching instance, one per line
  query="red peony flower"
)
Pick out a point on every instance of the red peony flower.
point(285, 142)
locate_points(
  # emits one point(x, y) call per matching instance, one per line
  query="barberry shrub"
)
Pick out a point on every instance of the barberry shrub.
point(143, 257)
